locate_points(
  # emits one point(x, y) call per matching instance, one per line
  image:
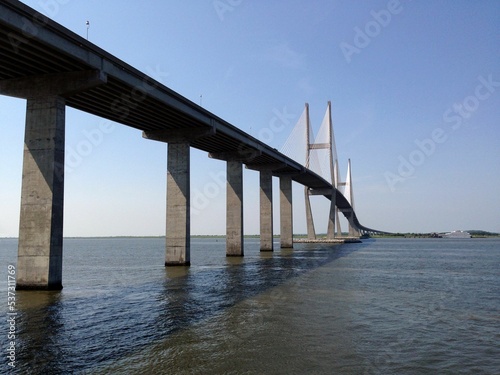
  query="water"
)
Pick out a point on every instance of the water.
point(386, 306)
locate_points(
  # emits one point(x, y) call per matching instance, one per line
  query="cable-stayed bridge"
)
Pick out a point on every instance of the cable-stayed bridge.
point(52, 67)
point(319, 154)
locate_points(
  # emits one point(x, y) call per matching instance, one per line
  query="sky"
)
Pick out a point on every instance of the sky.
point(414, 86)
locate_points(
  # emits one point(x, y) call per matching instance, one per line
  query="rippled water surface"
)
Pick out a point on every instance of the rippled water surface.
point(385, 306)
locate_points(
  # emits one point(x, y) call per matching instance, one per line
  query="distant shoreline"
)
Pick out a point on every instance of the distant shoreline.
point(474, 233)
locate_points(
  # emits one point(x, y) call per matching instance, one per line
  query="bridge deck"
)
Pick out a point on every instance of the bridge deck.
point(33, 45)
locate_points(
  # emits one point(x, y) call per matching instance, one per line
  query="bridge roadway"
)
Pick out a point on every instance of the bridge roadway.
point(52, 67)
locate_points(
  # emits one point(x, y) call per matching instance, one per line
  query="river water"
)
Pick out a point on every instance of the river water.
point(384, 306)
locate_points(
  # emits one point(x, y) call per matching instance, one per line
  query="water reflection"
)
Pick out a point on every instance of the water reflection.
point(40, 328)
point(101, 324)
point(401, 306)
point(189, 297)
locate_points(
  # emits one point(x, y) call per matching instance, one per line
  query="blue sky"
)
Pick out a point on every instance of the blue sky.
point(415, 91)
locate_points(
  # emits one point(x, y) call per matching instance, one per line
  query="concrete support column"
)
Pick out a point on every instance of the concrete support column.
point(39, 261)
point(266, 210)
point(286, 212)
point(234, 209)
point(331, 218)
point(311, 233)
point(178, 232)
point(178, 205)
point(353, 232)
point(339, 229)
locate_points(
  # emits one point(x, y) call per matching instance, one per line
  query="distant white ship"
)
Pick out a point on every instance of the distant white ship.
point(456, 234)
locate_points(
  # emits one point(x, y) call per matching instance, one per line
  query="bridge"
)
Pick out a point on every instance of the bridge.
point(52, 67)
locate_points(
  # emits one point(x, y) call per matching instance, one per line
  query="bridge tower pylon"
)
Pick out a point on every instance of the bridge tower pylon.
point(324, 141)
point(348, 193)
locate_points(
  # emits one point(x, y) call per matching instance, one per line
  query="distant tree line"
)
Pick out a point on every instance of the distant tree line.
point(474, 234)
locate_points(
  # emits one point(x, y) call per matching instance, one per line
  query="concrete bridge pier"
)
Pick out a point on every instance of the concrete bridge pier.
point(266, 210)
point(234, 197)
point(178, 243)
point(286, 212)
point(311, 232)
point(266, 173)
point(178, 227)
point(330, 234)
point(40, 249)
point(234, 209)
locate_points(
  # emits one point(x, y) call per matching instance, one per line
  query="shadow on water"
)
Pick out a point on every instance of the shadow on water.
point(57, 335)
point(39, 331)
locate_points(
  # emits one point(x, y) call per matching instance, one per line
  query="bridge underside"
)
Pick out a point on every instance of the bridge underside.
point(128, 97)
point(52, 68)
